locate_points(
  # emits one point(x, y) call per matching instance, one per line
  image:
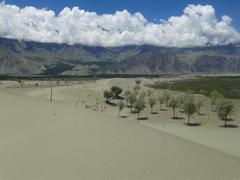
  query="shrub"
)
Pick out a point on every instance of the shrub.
point(199, 104)
point(166, 97)
point(116, 92)
point(139, 106)
point(173, 104)
point(161, 101)
point(132, 98)
point(151, 102)
point(107, 95)
point(224, 108)
point(121, 106)
point(189, 107)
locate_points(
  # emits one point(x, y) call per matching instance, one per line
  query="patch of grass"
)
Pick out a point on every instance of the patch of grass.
point(36, 58)
point(228, 86)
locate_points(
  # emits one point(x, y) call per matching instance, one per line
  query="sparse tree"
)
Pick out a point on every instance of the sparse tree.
point(139, 106)
point(224, 108)
point(121, 106)
point(173, 104)
point(189, 107)
point(151, 102)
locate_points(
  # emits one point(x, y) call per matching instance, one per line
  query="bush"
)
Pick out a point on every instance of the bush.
point(173, 104)
point(116, 92)
point(139, 106)
point(107, 95)
point(152, 102)
point(224, 108)
point(121, 106)
point(189, 107)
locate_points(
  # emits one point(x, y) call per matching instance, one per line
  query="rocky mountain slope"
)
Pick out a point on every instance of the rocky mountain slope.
point(29, 58)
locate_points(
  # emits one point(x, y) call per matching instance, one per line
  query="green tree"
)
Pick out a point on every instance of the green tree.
point(152, 102)
point(161, 101)
point(166, 97)
point(126, 95)
point(180, 101)
point(116, 91)
point(121, 105)
point(224, 108)
point(107, 95)
point(173, 104)
point(132, 98)
point(215, 97)
point(199, 104)
point(189, 107)
point(139, 106)
point(149, 93)
point(136, 89)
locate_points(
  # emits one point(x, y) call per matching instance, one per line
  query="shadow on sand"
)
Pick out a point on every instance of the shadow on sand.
point(143, 118)
point(124, 117)
point(177, 118)
point(193, 124)
point(229, 126)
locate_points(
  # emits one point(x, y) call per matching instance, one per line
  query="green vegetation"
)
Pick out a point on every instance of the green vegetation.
point(152, 102)
point(189, 107)
point(132, 98)
point(137, 99)
point(116, 91)
point(173, 104)
point(107, 95)
point(161, 101)
point(224, 108)
point(139, 105)
point(229, 87)
point(199, 104)
point(121, 105)
point(36, 58)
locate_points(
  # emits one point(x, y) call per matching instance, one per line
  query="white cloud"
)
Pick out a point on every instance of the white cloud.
point(197, 26)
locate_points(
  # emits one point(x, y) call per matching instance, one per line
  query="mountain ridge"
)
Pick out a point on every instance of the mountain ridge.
point(34, 58)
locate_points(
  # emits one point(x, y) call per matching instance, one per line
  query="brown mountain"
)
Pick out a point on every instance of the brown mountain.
point(29, 58)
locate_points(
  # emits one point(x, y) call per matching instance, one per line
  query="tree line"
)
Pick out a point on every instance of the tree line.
point(136, 99)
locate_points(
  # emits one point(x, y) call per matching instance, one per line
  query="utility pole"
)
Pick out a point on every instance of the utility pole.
point(51, 99)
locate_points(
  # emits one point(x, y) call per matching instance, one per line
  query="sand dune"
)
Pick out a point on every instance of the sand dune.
point(65, 141)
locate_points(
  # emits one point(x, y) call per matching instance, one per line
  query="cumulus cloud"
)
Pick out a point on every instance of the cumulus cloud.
point(197, 26)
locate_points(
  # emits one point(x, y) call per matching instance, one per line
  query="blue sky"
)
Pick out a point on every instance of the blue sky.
point(151, 9)
point(183, 23)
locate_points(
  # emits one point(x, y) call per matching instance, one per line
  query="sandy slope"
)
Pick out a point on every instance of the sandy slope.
point(65, 141)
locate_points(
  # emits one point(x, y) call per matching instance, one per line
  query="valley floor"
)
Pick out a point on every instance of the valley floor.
point(79, 137)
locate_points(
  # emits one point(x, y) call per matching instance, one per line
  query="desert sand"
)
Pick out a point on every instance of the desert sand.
point(79, 137)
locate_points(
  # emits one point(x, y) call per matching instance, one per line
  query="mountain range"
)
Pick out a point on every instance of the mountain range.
point(33, 58)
